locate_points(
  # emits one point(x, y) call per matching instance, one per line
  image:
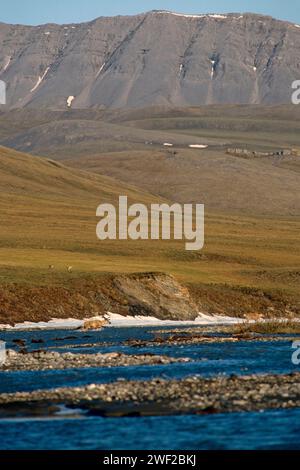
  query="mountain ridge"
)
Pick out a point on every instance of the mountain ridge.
point(149, 12)
point(153, 58)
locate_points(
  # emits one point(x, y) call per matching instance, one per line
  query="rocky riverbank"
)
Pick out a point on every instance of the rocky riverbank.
point(44, 360)
point(147, 295)
point(189, 395)
point(188, 337)
point(127, 295)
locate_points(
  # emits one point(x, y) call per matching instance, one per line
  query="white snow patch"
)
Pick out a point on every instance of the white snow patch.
point(181, 68)
point(178, 14)
point(198, 146)
point(40, 79)
point(47, 33)
point(70, 101)
point(216, 16)
point(6, 65)
point(212, 73)
point(116, 320)
point(254, 68)
point(297, 25)
point(100, 70)
point(167, 144)
point(221, 17)
point(55, 324)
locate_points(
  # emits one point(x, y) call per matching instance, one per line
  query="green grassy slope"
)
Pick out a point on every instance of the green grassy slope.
point(48, 217)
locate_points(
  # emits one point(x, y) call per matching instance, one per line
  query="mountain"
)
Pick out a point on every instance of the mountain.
point(154, 58)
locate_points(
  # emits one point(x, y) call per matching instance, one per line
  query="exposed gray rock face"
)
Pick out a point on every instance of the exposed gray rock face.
point(152, 58)
point(156, 294)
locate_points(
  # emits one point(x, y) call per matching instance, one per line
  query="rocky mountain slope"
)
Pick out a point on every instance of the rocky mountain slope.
point(153, 58)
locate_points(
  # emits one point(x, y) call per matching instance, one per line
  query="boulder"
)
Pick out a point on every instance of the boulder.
point(156, 295)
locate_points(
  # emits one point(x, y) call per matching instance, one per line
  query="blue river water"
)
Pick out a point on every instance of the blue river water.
point(271, 429)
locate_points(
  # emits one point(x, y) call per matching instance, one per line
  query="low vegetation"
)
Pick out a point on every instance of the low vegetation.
point(249, 266)
point(269, 327)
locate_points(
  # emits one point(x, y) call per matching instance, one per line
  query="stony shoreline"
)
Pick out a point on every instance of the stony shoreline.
point(185, 338)
point(160, 396)
point(45, 360)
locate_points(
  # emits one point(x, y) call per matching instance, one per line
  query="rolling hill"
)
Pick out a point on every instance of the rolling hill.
point(129, 146)
point(48, 219)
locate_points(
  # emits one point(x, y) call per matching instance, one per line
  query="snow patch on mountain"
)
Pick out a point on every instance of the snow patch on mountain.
point(40, 79)
point(212, 73)
point(6, 65)
point(70, 100)
point(183, 15)
point(100, 70)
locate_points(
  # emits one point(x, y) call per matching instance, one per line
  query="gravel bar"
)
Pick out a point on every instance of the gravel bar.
point(157, 396)
point(45, 360)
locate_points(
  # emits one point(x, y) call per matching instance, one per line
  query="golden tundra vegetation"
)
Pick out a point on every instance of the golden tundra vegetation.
point(251, 260)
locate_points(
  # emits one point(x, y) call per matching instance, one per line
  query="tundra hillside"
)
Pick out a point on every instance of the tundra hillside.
point(249, 265)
